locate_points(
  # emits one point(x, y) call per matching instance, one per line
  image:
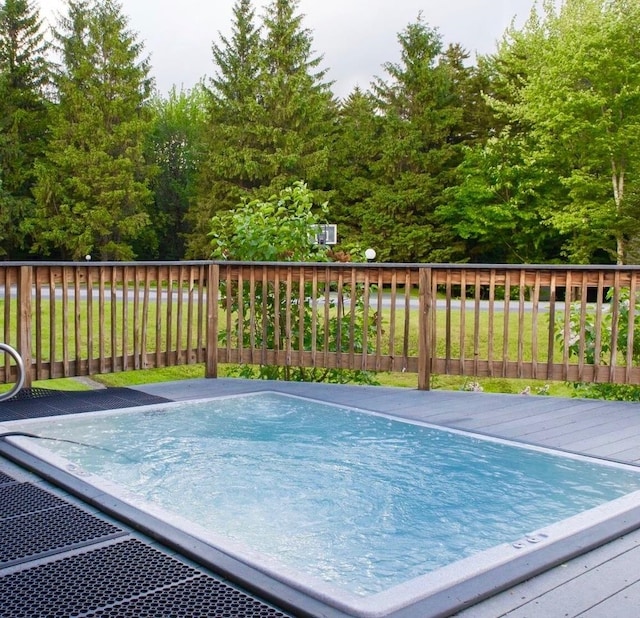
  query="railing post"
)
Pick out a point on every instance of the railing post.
point(213, 283)
point(425, 300)
point(25, 282)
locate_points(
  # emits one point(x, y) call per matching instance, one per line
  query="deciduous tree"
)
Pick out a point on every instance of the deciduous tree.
point(580, 102)
point(176, 150)
point(280, 229)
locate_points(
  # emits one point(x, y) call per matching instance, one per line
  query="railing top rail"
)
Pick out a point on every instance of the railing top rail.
point(383, 265)
point(96, 263)
point(438, 265)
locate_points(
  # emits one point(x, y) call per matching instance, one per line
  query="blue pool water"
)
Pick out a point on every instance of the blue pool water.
point(359, 500)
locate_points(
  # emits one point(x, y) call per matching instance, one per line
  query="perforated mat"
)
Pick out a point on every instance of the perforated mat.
point(17, 499)
point(6, 479)
point(37, 535)
point(45, 402)
point(35, 524)
point(203, 597)
point(125, 578)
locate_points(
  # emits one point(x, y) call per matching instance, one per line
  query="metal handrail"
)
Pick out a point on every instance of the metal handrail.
point(7, 349)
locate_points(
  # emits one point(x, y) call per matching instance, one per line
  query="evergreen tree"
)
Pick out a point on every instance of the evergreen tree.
point(421, 118)
point(299, 108)
point(24, 75)
point(356, 148)
point(469, 85)
point(92, 191)
point(232, 163)
point(271, 116)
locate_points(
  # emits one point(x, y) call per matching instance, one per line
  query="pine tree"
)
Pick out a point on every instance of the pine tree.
point(421, 117)
point(468, 86)
point(271, 116)
point(299, 107)
point(356, 147)
point(24, 76)
point(92, 191)
point(232, 159)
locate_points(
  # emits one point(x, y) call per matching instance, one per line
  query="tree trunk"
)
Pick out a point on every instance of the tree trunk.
point(617, 180)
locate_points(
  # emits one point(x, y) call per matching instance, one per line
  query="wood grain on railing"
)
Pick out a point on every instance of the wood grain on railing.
point(546, 322)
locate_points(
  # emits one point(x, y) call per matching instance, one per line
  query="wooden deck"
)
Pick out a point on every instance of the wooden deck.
point(604, 582)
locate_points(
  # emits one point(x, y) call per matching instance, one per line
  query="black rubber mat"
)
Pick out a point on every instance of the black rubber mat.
point(35, 523)
point(116, 580)
point(5, 479)
point(34, 392)
point(203, 597)
point(22, 498)
point(53, 403)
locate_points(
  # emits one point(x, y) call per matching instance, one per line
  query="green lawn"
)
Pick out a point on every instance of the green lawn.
point(114, 314)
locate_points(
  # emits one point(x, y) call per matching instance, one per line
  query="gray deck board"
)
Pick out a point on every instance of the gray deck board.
point(525, 597)
point(602, 443)
point(568, 425)
point(587, 591)
point(625, 604)
point(583, 593)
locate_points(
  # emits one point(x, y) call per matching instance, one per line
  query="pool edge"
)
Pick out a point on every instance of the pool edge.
point(434, 595)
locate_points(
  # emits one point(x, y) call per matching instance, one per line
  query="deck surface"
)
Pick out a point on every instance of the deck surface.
point(604, 582)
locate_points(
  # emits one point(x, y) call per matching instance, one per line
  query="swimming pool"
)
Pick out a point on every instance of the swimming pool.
point(264, 529)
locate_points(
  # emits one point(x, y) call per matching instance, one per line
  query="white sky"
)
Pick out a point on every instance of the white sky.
point(355, 37)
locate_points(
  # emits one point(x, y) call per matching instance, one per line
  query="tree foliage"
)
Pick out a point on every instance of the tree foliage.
point(421, 116)
point(92, 190)
point(280, 228)
point(232, 161)
point(580, 102)
point(298, 104)
point(272, 230)
point(270, 114)
point(24, 77)
point(495, 204)
point(175, 149)
point(351, 175)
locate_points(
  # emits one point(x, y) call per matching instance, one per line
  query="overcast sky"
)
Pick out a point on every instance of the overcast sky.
point(355, 37)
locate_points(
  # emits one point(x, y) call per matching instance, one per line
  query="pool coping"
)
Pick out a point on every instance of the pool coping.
point(435, 594)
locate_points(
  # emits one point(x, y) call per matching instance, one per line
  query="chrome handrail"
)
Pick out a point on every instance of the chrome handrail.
point(7, 349)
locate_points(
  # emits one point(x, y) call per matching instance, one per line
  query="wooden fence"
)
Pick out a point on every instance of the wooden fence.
point(539, 322)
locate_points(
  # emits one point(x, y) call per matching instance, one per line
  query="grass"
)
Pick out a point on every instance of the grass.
point(113, 314)
point(387, 379)
point(62, 384)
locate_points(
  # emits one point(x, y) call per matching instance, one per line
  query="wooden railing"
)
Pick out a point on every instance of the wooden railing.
point(82, 319)
point(573, 323)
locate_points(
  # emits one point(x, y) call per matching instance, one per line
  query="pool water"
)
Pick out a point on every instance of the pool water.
point(359, 500)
